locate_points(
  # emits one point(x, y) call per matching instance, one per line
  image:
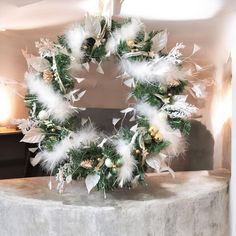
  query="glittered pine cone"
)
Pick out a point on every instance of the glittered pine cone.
point(47, 75)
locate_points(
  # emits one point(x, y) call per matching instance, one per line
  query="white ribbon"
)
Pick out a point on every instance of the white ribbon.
point(107, 8)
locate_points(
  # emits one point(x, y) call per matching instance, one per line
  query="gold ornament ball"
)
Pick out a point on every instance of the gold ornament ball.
point(153, 134)
point(152, 130)
point(130, 43)
point(137, 151)
point(158, 137)
point(53, 130)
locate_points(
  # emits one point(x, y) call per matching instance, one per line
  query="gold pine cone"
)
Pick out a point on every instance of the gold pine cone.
point(173, 83)
point(47, 75)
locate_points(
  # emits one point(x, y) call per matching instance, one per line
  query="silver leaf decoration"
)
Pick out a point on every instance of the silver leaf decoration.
point(33, 150)
point(157, 161)
point(196, 48)
point(79, 80)
point(34, 161)
point(34, 135)
point(84, 121)
point(127, 110)
point(91, 181)
point(129, 83)
point(86, 66)
point(38, 63)
point(134, 128)
point(159, 41)
point(115, 121)
point(99, 69)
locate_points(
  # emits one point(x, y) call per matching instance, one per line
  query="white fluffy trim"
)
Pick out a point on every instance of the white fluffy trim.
point(126, 32)
point(124, 149)
point(158, 70)
point(59, 108)
point(159, 120)
point(75, 37)
point(83, 137)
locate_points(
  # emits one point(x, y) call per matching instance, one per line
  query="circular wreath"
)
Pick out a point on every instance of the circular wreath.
point(156, 79)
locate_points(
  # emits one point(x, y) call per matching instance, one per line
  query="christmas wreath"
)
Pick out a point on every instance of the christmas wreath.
point(156, 79)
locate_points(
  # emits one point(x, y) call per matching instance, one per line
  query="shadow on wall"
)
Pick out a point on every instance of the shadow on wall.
point(199, 155)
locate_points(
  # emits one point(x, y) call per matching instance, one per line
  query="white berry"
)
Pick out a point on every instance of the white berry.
point(43, 115)
point(108, 163)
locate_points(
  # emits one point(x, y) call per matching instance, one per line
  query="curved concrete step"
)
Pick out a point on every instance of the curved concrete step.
point(194, 203)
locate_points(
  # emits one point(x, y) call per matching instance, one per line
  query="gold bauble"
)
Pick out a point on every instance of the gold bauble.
point(152, 130)
point(137, 151)
point(53, 130)
point(153, 134)
point(130, 43)
point(158, 137)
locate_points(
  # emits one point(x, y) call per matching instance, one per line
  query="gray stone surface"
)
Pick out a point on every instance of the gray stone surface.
point(194, 203)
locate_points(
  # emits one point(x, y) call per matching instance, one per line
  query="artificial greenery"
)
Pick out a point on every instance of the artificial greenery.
point(156, 94)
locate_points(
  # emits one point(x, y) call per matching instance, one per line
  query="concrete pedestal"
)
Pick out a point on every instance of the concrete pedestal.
point(194, 203)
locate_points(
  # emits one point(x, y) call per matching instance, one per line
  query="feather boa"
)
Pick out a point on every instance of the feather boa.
point(59, 108)
point(75, 37)
point(83, 137)
point(126, 32)
point(124, 149)
point(158, 119)
point(158, 70)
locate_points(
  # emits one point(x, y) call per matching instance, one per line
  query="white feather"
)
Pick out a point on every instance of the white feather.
point(59, 108)
point(75, 37)
point(126, 32)
point(83, 137)
point(59, 153)
point(124, 149)
point(158, 70)
point(158, 119)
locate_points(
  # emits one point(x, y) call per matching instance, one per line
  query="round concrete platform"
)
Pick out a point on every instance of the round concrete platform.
point(194, 203)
